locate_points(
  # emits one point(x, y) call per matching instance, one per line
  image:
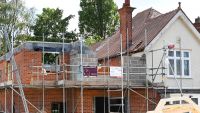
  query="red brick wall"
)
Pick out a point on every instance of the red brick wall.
point(115, 61)
point(6, 100)
point(137, 103)
point(25, 60)
point(34, 95)
point(3, 71)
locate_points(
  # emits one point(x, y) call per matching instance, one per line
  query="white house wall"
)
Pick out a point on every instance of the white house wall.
point(178, 29)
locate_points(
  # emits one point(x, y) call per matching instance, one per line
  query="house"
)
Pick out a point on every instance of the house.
point(169, 43)
point(63, 78)
point(72, 78)
point(66, 78)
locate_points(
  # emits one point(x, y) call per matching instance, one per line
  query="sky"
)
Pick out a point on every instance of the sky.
point(190, 7)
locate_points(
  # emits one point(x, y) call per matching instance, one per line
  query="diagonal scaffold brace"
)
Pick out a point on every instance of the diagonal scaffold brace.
point(14, 64)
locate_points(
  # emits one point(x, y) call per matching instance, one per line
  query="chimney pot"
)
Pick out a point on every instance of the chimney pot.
point(197, 20)
point(127, 3)
point(179, 5)
point(197, 24)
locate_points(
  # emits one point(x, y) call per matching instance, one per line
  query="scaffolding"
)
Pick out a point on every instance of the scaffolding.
point(16, 71)
point(62, 76)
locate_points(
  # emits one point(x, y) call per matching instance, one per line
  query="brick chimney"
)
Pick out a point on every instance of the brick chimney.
point(126, 23)
point(197, 24)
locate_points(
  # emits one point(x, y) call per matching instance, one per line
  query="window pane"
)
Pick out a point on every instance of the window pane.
point(178, 53)
point(186, 54)
point(176, 102)
point(171, 53)
point(56, 107)
point(171, 66)
point(115, 105)
point(178, 67)
point(186, 67)
point(195, 100)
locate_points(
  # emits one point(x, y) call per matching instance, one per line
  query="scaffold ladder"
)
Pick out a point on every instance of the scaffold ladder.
point(115, 101)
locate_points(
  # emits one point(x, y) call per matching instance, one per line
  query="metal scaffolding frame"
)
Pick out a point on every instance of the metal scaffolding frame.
point(64, 86)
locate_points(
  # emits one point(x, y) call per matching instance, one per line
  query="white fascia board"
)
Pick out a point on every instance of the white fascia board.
point(183, 17)
point(189, 25)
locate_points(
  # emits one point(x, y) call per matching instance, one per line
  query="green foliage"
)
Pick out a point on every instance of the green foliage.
point(22, 38)
point(50, 58)
point(92, 40)
point(52, 25)
point(3, 48)
point(98, 18)
point(15, 19)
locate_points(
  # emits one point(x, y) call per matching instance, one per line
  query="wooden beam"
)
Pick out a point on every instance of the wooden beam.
point(187, 106)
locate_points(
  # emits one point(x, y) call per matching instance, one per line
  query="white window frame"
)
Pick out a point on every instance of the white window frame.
point(182, 64)
point(190, 95)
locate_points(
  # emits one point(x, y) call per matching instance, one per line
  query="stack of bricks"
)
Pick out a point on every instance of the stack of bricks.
point(137, 70)
point(75, 61)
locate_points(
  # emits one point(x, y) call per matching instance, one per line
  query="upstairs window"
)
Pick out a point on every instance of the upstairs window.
point(179, 63)
point(51, 58)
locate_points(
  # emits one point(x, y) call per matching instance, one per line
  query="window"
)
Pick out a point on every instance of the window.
point(50, 58)
point(179, 63)
point(116, 105)
point(57, 107)
point(101, 105)
point(195, 100)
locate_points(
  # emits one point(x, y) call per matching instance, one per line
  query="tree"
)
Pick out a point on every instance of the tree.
point(90, 40)
point(98, 18)
point(15, 19)
point(52, 25)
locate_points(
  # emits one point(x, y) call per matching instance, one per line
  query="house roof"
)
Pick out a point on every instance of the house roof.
point(149, 19)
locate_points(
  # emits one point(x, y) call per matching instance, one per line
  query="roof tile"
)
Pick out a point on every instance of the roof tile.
point(149, 19)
